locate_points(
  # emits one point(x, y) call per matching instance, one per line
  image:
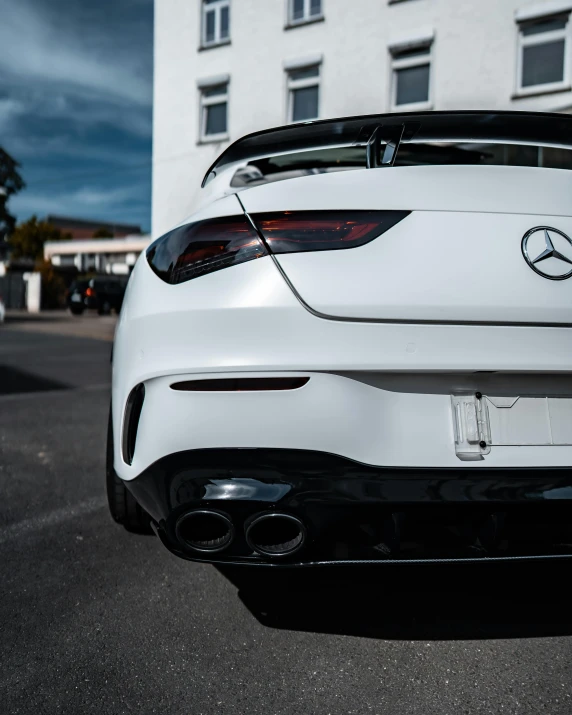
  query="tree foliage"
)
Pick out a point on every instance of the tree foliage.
point(27, 239)
point(11, 182)
point(103, 232)
point(53, 285)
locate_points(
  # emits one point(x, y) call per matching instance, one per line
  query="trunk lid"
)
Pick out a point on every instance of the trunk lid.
point(457, 258)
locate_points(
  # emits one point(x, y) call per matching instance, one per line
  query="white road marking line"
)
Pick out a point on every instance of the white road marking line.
point(24, 528)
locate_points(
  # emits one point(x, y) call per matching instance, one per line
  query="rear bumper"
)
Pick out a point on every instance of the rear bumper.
point(347, 507)
point(385, 420)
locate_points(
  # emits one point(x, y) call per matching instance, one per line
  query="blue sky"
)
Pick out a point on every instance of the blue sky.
point(75, 106)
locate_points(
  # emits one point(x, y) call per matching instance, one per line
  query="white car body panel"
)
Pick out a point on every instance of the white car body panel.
point(332, 414)
point(488, 189)
point(247, 320)
point(436, 266)
point(456, 259)
point(357, 387)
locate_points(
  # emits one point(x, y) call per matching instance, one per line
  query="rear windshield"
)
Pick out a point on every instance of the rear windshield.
point(289, 166)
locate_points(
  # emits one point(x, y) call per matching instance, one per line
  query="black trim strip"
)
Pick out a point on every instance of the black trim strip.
point(332, 495)
point(480, 561)
point(549, 129)
point(133, 408)
point(284, 476)
point(241, 384)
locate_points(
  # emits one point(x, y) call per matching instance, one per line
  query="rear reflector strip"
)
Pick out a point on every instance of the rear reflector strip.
point(296, 231)
point(240, 384)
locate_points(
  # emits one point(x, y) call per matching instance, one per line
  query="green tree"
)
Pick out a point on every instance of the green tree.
point(53, 285)
point(27, 239)
point(103, 233)
point(10, 183)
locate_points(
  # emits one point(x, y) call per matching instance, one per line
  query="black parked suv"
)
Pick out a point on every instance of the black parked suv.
point(103, 294)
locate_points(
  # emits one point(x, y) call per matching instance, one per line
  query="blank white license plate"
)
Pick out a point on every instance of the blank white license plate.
point(530, 420)
point(76, 298)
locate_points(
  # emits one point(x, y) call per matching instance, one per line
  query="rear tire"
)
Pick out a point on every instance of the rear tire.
point(122, 505)
point(76, 309)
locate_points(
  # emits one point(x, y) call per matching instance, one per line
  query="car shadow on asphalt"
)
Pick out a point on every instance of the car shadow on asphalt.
point(453, 602)
point(14, 381)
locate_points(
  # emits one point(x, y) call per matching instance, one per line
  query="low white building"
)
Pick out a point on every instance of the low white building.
point(115, 256)
point(224, 68)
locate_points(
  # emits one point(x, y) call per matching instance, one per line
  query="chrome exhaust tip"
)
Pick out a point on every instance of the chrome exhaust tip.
point(204, 531)
point(276, 534)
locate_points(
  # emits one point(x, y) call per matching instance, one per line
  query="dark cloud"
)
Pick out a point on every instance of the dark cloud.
point(75, 105)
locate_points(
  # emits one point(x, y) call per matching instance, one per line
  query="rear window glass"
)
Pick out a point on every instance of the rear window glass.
point(485, 154)
point(290, 166)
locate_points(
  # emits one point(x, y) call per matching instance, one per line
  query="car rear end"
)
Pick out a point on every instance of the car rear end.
point(103, 293)
point(356, 366)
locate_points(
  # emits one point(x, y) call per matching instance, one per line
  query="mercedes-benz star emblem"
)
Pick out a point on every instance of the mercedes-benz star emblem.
point(548, 251)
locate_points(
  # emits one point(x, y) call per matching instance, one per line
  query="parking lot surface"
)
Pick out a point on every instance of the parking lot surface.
point(96, 620)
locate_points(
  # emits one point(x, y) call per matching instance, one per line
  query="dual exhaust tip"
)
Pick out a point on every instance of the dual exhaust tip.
point(271, 534)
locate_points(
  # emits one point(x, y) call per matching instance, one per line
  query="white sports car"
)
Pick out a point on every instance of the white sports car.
point(358, 349)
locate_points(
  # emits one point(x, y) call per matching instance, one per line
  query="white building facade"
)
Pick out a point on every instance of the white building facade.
point(225, 68)
point(114, 256)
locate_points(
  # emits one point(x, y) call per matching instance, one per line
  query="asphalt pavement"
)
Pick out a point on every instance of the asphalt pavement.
point(96, 620)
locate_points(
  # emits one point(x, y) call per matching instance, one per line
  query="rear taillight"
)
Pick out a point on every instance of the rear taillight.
point(90, 292)
point(295, 231)
point(203, 247)
point(199, 248)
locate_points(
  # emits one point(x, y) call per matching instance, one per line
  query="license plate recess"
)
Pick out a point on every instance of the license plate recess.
point(484, 421)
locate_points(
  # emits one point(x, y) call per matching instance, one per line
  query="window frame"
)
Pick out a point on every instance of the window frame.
point(542, 38)
point(402, 63)
point(206, 102)
point(306, 18)
point(294, 84)
point(216, 6)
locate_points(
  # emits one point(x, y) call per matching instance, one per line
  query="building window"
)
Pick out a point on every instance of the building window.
point(214, 111)
point(542, 54)
point(216, 22)
point(304, 11)
point(411, 74)
point(303, 93)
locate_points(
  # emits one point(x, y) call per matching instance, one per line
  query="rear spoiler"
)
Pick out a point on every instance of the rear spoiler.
point(389, 130)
